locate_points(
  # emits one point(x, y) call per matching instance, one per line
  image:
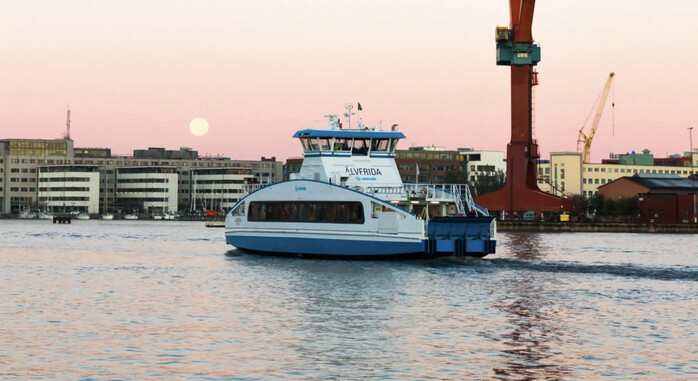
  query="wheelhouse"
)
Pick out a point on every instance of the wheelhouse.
point(349, 142)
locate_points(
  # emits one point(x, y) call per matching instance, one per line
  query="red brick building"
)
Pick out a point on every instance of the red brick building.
point(661, 198)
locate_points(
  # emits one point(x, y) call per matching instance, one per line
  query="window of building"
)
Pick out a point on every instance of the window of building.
point(603, 181)
point(596, 181)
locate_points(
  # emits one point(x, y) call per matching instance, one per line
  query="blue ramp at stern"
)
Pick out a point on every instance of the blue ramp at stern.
point(461, 236)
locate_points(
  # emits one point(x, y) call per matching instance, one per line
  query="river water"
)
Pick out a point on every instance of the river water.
point(169, 300)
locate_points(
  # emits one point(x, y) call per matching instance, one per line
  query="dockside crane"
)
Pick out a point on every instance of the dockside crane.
point(516, 49)
point(583, 139)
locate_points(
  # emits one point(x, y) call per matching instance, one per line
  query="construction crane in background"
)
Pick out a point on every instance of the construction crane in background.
point(585, 140)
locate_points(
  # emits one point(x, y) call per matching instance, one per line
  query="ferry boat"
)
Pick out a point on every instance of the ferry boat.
point(349, 201)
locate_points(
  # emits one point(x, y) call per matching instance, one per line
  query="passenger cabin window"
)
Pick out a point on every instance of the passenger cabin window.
point(334, 212)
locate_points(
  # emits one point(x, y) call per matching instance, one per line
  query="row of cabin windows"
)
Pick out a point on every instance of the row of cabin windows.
point(357, 146)
point(334, 212)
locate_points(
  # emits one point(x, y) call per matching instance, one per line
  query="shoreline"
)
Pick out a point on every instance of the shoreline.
point(599, 227)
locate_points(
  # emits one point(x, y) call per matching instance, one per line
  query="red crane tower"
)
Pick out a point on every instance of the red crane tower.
point(515, 48)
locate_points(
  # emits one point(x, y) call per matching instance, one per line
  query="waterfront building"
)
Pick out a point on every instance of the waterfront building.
point(566, 175)
point(480, 162)
point(148, 189)
point(661, 197)
point(19, 161)
point(436, 165)
point(67, 187)
point(151, 181)
point(219, 188)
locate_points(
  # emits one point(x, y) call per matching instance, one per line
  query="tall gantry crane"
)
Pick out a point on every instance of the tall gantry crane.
point(583, 139)
point(515, 48)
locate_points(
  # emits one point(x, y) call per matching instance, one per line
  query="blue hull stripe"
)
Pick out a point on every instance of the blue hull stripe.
point(321, 246)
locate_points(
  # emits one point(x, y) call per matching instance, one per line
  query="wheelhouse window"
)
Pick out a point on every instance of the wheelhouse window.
point(306, 144)
point(379, 145)
point(239, 210)
point(334, 212)
point(313, 143)
point(325, 144)
point(360, 147)
point(342, 144)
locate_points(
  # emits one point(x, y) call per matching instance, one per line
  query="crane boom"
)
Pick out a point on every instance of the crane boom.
point(587, 139)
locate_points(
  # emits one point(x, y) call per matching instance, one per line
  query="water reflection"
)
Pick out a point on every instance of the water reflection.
point(530, 346)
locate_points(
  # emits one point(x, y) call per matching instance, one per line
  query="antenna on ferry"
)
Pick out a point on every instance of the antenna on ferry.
point(394, 127)
point(348, 114)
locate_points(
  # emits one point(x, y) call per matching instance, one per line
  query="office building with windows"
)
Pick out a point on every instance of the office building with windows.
point(566, 175)
point(37, 174)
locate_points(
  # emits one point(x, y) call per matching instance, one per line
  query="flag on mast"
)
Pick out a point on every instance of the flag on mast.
point(359, 106)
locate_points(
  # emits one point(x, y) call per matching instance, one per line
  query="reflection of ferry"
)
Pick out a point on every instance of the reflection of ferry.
point(344, 202)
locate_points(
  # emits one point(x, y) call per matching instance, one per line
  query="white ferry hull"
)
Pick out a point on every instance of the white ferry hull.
point(373, 237)
point(324, 244)
point(344, 203)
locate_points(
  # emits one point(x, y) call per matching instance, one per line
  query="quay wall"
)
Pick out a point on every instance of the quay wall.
point(608, 227)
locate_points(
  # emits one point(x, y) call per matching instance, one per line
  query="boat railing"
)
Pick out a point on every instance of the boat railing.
point(456, 193)
point(249, 188)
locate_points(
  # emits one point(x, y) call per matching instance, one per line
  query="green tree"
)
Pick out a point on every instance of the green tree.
point(488, 183)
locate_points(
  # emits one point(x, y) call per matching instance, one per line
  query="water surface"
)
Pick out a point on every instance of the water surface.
point(169, 300)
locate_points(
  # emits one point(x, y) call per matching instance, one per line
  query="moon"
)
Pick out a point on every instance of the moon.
point(198, 126)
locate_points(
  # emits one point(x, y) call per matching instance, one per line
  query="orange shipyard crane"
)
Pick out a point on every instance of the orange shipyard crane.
point(583, 138)
point(515, 48)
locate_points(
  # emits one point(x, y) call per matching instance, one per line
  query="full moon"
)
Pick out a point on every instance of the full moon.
point(198, 126)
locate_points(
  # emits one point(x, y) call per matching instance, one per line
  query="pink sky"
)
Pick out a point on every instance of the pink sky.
point(136, 72)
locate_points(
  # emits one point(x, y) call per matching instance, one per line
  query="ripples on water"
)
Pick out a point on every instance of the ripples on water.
point(164, 299)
